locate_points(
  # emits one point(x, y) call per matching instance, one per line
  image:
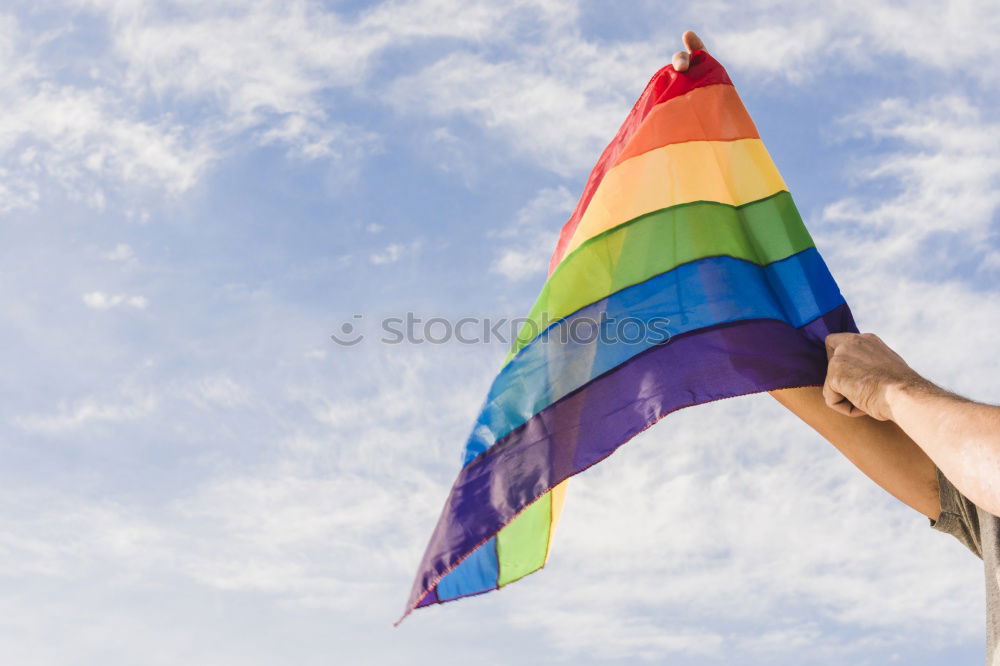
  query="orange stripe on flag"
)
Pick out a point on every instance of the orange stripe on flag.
point(712, 113)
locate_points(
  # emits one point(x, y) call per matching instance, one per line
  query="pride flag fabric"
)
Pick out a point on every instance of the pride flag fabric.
point(686, 232)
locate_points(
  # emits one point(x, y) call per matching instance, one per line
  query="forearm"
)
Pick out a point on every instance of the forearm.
point(880, 449)
point(961, 437)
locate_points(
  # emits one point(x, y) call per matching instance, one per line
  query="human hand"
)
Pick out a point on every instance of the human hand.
point(862, 373)
point(682, 59)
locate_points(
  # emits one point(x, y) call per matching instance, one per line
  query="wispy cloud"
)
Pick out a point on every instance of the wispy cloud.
point(393, 252)
point(121, 252)
point(80, 137)
point(785, 39)
point(556, 104)
point(942, 162)
point(90, 410)
point(527, 244)
point(99, 300)
point(221, 391)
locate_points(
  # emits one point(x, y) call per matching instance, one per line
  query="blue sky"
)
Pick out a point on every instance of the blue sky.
point(194, 196)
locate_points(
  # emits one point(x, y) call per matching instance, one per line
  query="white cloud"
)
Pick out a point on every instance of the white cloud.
point(334, 511)
point(81, 139)
point(557, 111)
point(394, 252)
point(311, 139)
point(99, 300)
point(787, 39)
point(254, 58)
point(272, 67)
point(521, 264)
point(221, 391)
point(622, 637)
point(55, 535)
point(90, 410)
point(261, 67)
point(17, 191)
point(942, 159)
point(121, 252)
point(391, 254)
point(529, 241)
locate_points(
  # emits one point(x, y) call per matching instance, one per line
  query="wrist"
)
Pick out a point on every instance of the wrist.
point(896, 394)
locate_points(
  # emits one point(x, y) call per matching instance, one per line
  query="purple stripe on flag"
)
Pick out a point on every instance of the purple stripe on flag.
point(588, 425)
point(431, 598)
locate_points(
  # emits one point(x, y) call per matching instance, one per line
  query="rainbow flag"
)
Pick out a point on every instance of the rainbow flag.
point(686, 232)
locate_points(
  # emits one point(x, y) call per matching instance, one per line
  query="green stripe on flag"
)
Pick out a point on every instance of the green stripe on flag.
point(761, 232)
point(522, 542)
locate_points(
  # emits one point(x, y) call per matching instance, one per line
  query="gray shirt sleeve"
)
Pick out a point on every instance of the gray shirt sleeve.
point(959, 517)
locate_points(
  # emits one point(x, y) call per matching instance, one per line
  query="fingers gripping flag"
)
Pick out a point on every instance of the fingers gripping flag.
point(685, 229)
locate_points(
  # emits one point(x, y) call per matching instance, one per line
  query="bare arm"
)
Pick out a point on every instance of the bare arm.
point(880, 449)
point(961, 437)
